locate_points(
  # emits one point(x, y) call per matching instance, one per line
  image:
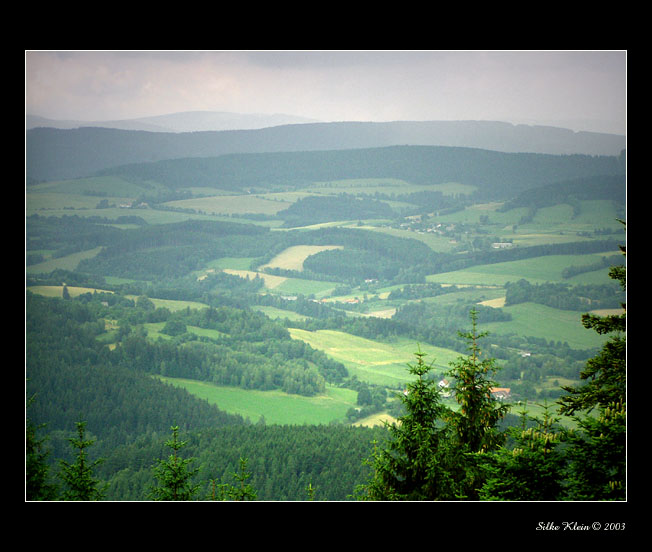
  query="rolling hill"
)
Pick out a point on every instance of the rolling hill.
point(55, 154)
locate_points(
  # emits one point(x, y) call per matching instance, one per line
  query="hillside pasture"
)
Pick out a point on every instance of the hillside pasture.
point(387, 186)
point(293, 257)
point(279, 314)
point(102, 186)
point(537, 270)
point(230, 205)
point(154, 331)
point(172, 304)
point(275, 407)
point(381, 363)
point(271, 281)
point(557, 325)
point(57, 291)
point(67, 262)
point(289, 286)
point(60, 197)
point(554, 224)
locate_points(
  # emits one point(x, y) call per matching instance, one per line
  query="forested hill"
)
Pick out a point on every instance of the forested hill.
point(496, 174)
point(55, 154)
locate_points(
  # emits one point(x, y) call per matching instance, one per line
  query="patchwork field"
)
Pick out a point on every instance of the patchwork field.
point(371, 361)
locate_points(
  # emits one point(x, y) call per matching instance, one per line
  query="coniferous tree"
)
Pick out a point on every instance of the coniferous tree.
point(597, 456)
point(78, 476)
point(414, 466)
point(597, 453)
point(174, 475)
point(241, 492)
point(475, 424)
point(37, 483)
point(531, 469)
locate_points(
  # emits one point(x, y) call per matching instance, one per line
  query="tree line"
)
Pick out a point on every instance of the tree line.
point(564, 296)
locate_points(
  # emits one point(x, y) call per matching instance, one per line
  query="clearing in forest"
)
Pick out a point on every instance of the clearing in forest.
point(293, 257)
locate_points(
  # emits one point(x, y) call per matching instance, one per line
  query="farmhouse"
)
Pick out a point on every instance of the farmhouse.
point(500, 393)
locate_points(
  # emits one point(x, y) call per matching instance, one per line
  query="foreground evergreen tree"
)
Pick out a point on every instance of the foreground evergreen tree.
point(415, 464)
point(475, 425)
point(597, 453)
point(240, 492)
point(78, 476)
point(531, 469)
point(174, 475)
point(597, 456)
point(37, 483)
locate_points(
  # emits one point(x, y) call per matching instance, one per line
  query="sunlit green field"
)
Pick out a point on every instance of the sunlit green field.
point(548, 323)
point(275, 407)
point(382, 363)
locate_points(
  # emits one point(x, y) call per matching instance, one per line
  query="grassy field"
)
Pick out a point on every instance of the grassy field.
point(67, 262)
point(287, 286)
point(275, 407)
point(536, 270)
point(551, 324)
point(57, 291)
point(293, 257)
point(274, 313)
point(381, 363)
point(231, 205)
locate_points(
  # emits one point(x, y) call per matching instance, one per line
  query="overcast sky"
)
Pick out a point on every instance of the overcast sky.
point(583, 90)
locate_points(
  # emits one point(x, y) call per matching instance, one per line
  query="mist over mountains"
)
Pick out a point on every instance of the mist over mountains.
point(63, 153)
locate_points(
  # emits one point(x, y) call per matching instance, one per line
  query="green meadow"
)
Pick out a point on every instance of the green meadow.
point(537, 270)
point(275, 407)
point(551, 324)
point(377, 362)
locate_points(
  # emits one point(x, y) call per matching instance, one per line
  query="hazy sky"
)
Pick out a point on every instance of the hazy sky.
point(583, 90)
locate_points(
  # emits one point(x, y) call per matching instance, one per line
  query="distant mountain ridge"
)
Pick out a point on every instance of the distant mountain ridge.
point(186, 121)
point(56, 154)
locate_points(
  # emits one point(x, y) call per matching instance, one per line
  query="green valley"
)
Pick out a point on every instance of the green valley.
point(293, 289)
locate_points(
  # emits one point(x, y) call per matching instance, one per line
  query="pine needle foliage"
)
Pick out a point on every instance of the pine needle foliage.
point(532, 468)
point(598, 452)
point(174, 474)
point(78, 476)
point(414, 466)
point(240, 492)
point(474, 425)
point(37, 470)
